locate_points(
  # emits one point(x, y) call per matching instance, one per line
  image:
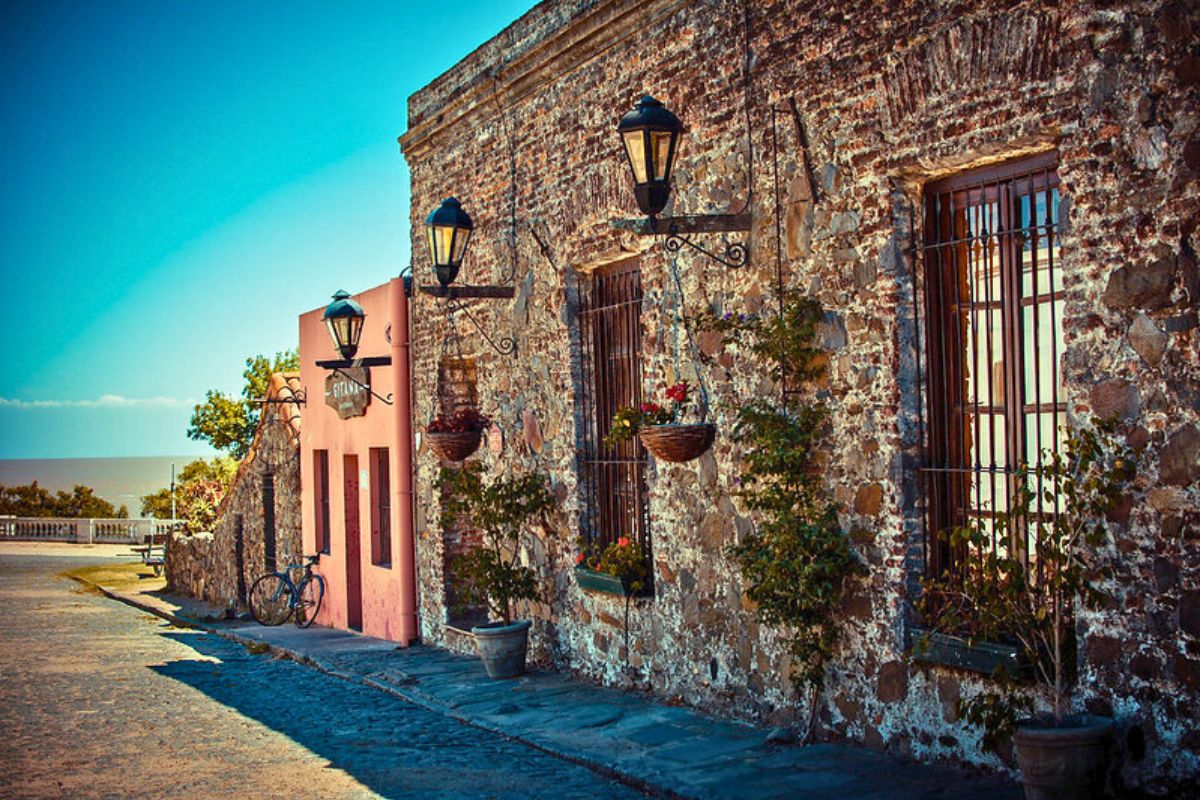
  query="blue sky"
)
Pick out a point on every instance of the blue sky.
point(179, 181)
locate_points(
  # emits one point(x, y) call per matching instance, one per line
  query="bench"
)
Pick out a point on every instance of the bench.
point(153, 551)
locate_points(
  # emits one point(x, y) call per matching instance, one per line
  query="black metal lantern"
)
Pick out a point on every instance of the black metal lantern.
point(651, 134)
point(449, 231)
point(344, 318)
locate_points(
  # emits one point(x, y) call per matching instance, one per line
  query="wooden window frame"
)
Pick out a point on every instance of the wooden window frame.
point(321, 500)
point(613, 479)
point(381, 511)
point(957, 244)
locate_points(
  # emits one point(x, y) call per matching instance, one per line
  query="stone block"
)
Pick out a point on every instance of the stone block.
point(1179, 460)
point(1147, 340)
point(891, 684)
point(1147, 287)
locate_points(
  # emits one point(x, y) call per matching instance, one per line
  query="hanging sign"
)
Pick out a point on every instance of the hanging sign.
point(348, 391)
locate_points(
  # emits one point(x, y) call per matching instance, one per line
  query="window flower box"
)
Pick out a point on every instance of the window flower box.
point(601, 582)
point(988, 658)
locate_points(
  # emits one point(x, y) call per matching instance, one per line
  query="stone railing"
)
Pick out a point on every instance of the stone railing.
point(84, 531)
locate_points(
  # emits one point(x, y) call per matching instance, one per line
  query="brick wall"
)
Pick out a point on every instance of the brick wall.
point(889, 95)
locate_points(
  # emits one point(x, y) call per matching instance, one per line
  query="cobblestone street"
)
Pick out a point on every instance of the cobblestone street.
point(101, 700)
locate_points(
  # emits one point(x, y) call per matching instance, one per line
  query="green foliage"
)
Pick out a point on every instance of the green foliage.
point(622, 559)
point(228, 423)
point(997, 713)
point(35, 501)
point(796, 560)
point(501, 511)
point(199, 489)
point(784, 342)
point(995, 597)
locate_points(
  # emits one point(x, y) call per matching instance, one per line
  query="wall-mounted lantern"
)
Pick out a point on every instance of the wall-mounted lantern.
point(449, 233)
point(344, 319)
point(449, 228)
point(651, 135)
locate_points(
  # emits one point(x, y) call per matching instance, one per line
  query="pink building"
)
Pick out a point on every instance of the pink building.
point(356, 505)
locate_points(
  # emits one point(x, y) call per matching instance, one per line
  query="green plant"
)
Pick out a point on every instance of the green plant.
point(795, 561)
point(501, 511)
point(1025, 591)
point(629, 420)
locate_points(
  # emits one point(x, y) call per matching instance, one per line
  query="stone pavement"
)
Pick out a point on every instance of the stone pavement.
point(676, 752)
point(100, 700)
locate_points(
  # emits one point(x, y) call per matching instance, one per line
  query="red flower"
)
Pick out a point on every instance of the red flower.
point(623, 541)
point(650, 408)
point(678, 392)
point(579, 559)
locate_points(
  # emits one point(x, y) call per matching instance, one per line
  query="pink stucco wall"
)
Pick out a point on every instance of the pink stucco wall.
point(323, 430)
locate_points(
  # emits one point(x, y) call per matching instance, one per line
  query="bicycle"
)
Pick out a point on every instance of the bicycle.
point(275, 597)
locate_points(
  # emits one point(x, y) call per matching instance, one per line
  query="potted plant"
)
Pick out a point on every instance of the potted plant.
point(491, 573)
point(456, 437)
point(660, 429)
point(1061, 504)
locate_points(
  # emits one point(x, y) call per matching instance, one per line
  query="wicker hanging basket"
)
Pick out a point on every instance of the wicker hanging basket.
point(678, 442)
point(454, 446)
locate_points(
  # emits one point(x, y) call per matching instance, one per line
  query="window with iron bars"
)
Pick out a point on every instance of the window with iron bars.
point(612, 479)
point(993, 306)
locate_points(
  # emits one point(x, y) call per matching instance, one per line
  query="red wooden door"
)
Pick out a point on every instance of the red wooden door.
point(353, 538)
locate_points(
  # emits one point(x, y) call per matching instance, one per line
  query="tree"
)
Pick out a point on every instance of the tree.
point(200, 487)
point(228, 423)
point(35, 501)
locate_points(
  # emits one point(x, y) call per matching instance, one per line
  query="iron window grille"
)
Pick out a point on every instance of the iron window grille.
point(995, 399)
point(612, 479)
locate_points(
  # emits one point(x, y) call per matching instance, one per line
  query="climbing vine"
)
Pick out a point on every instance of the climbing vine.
point(796, 559)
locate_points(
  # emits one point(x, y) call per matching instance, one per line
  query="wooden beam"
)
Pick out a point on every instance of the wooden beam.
point(698, 223)
point(368, 361)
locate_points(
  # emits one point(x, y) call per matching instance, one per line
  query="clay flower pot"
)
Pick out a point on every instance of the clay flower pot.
point(502, 647)
point(1063, 762)
point(454, 446)
point(678, 443)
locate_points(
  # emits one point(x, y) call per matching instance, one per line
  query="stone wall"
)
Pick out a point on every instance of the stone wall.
point(888, 96)
point(206, 565)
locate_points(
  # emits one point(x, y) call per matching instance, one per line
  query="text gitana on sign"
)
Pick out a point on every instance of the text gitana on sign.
point(344, 395)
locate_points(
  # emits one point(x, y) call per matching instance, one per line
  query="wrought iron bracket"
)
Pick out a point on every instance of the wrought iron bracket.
point(507, 344)
point(339, 368)
point(676, 229)
point(299, 397)
point(385, 400)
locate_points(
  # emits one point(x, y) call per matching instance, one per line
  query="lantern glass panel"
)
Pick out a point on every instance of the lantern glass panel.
point(635, 146)
point(441, 238)
point(660, 146)
point(460, 245)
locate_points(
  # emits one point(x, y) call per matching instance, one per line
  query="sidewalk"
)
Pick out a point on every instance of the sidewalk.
point(676, 752)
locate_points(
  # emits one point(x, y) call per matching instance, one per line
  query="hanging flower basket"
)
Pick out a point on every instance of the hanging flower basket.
point(678, 443)
point(456, 437)
point(452, 446)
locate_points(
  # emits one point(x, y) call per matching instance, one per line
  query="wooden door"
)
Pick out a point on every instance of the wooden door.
point(352, 546)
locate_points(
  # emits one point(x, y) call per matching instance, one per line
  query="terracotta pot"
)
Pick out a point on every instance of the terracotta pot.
point(678, 443)
point(502, 647)
point(452, 446)
point(1064, 762)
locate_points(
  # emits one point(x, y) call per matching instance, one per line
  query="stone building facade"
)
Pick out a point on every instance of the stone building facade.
point(258, 522)
point(828, 122)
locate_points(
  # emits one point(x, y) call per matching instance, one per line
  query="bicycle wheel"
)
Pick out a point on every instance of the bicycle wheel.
point(270, 600)
point(312, 592)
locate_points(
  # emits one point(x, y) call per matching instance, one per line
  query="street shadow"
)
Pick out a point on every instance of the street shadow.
point(394, 748)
